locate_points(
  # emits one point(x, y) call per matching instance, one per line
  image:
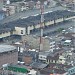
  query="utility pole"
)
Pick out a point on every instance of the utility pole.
point(41, 24)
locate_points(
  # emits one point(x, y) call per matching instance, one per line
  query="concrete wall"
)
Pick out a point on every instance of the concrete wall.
point(37, 26)
point(12, 9)
point(42, 57)
point(20, 31)
point(49, 23)
point(59, 20)
point(28, 29)
point(5, 34)
point(69, 18)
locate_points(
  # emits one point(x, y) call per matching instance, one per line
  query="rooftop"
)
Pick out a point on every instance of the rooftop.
point(55, 68)
point(34, 20)
point(37, 65)
point(1, 12)
point(5, 30)
point(44, 53)
point(50, 71)
point(6, 48)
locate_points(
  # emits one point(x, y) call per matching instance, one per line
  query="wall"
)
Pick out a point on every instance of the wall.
point(5, 34)
point(62, 60)
point(20, 31)
point(42, 57)
point(37, 26)
point(49, 23)
point(59, 20)
point(68, 18)
point(12, 9)
point(10, 57)
point(27, 59)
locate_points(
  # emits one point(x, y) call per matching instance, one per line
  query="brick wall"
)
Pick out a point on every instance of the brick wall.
point(27, 59)
point(11, 57)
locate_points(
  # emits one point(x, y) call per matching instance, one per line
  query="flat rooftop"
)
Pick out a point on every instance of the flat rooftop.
point(6, 48)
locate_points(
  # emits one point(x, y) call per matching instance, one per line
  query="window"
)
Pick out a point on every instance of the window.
point(41, 57)
point(49, 60)
point(21, 31)
point(60, 59)
point(52, 60)
point(55, 61)
point(69, 58)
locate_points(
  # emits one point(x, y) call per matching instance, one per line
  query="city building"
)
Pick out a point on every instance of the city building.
point(28, 57)
point(58, 69)
point(52, 59)
point(8, 55)
point(43, 56)
point(9, 9)
point(26, 26)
